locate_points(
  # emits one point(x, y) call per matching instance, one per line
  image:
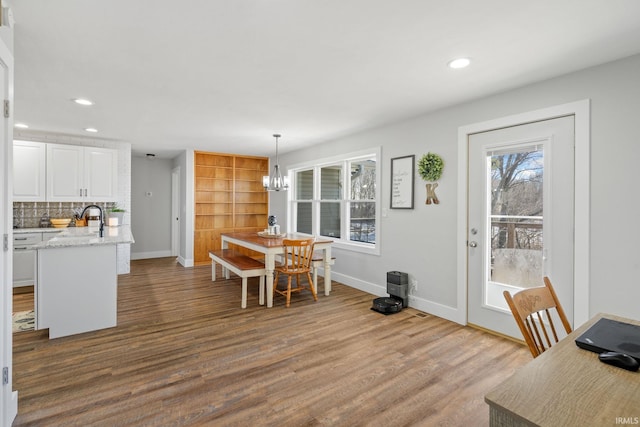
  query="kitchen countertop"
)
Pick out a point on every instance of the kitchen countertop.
point(38, 230)
point(84, 236)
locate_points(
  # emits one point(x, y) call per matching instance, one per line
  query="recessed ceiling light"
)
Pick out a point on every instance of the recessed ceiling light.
point(83, 101)
point(21, 126)
point(92, 130)
point(459, 63)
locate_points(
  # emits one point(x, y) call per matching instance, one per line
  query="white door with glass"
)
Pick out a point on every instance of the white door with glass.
point(520, 218)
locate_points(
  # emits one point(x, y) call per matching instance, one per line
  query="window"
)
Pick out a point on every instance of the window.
point(338, 198)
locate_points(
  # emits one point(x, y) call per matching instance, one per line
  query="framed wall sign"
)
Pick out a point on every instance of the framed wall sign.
point(402, 180)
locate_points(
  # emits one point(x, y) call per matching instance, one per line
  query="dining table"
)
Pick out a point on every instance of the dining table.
point(272, 246)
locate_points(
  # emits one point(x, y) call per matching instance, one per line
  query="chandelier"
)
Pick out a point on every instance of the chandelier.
point(275, 182)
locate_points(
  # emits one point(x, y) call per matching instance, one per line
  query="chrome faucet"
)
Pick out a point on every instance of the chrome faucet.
point(101, 217)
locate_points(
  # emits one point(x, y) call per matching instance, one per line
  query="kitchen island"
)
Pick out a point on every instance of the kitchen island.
point(76, 280)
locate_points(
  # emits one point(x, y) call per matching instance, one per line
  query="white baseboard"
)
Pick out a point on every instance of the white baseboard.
point(147, 255)
point(434, 308)
point(185, 262)
point(162, 254)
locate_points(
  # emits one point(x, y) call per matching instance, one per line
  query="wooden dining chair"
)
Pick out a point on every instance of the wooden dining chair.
point(527, 307)
point(296, 261)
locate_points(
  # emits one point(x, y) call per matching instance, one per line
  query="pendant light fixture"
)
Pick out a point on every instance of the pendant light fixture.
point(276, 182)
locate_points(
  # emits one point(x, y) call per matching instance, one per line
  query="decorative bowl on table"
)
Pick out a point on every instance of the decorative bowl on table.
point(60, 222)
point(266, 235)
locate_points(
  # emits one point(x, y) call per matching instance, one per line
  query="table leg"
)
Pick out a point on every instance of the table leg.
point(225, 272)
point(270, 264)
point(327, 271)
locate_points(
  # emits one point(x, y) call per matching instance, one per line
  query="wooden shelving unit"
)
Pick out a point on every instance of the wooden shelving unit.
point(229, 197)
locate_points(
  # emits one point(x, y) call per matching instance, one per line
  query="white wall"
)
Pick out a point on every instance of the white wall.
point(151, 214)
point(423, 242)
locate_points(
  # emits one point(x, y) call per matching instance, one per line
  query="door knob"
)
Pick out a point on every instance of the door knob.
point(473, 244)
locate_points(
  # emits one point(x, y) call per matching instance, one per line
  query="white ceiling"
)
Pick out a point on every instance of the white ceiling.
point(224, 75)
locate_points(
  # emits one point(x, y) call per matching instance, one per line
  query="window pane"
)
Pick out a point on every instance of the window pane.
point(363, 180)
point(331, 183)
point(363, 222)
point(303, 220)
point(304, 185)
point(330, 219)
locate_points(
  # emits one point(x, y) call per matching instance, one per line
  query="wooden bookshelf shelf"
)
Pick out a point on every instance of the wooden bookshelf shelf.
point(229, 197)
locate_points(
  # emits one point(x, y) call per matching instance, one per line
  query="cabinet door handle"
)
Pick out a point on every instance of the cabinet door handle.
point(85, 192)
point(20, 249)
point(81, 192)
point(19, 238)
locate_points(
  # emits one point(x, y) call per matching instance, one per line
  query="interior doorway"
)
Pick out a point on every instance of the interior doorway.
point(175, 211)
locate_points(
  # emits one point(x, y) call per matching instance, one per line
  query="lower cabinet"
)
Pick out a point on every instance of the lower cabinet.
point(24, 257)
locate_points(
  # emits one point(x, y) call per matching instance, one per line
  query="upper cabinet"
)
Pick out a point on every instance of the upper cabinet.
point(29, 172)
point(79, 174)
point(100, 174)
point(64, 173)
point(65, 181)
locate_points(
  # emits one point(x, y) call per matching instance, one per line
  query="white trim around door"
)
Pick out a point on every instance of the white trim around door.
point(581, 111)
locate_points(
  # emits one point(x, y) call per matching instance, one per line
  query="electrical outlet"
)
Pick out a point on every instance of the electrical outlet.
point(414, 286)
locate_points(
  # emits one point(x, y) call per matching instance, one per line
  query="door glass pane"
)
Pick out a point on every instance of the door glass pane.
point(515, 179)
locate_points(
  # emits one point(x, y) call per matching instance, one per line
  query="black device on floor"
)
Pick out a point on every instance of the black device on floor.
point(387, 305)
point(398, 290)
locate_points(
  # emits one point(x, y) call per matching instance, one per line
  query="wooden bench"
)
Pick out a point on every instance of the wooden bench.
point(241, 265)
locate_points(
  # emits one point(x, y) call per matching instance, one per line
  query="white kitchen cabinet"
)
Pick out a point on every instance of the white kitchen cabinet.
point(29, 171)
point(100, 174)
point(24, 256)
point(78, 174)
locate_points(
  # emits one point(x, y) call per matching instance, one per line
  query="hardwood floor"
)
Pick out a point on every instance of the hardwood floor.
point(185, 353)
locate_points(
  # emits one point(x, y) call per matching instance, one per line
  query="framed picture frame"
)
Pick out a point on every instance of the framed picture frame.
point(402, 182)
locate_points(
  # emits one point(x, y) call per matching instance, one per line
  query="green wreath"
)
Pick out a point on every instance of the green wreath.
point(430, 167)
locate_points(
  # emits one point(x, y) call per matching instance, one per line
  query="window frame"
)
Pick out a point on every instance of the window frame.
point(344, 161)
